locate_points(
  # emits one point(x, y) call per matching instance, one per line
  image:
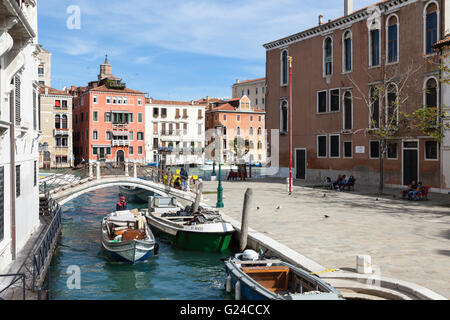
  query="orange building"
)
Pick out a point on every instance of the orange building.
point(241, 122)
point(108, 120)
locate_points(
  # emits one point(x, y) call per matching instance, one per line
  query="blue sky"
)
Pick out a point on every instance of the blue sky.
point(173, 49)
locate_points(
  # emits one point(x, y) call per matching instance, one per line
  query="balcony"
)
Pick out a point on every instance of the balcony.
point(121, 143)
point(61, 132)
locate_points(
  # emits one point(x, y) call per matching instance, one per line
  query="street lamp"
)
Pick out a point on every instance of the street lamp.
point(219, 129)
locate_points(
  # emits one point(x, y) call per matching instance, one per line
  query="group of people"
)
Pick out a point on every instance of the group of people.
point(414, 190)
point(240, 174)
point(179, 182)
point(343, 182)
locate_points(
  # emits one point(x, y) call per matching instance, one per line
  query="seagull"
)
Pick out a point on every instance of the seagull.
point(279, 207)
point(326, 216)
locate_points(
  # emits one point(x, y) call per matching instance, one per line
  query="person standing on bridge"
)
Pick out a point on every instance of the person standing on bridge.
point(122, 204)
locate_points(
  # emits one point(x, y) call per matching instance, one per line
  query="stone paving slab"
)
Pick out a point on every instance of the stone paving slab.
point(408, 241)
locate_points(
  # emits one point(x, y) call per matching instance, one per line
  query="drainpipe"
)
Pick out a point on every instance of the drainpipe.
point(12, 173)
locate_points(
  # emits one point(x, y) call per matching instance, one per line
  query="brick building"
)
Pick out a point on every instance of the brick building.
point(241, 121)
point(108, 120)
point(336, 67)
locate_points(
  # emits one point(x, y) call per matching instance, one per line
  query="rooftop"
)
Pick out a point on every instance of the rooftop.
point(52, 91)
point(249, 81)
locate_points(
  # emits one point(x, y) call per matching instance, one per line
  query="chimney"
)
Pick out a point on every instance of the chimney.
point(320, 20)
point(237, 80)
point(348, 7)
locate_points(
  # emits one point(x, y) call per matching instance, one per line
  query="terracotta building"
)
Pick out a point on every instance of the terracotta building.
point(108, 120)
point(56, 125)
point(241, 122)
point(337, 67)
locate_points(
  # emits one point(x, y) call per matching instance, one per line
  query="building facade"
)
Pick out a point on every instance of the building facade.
point(44, 67)
point(108, 121)
point(244, 130)
point(337, 69)
point(19, 128)
point(178, 126)
point(55, 145)
point(255, 90)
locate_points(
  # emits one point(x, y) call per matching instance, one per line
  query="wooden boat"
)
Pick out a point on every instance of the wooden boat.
point(202, 231)
point(134, 194)
point(127, 236)
point(259, 278)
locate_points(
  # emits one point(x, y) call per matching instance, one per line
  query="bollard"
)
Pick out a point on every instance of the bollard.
point(197, 199)
point(244, 226)
point(98, 170)
point(237, 291)
point(127, 169)
point(229, 284)
point(91, 173)
point(134, 170)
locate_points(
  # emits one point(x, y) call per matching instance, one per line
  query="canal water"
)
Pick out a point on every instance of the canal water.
point(171, 275)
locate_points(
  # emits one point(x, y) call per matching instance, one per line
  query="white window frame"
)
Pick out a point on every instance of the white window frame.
point(343, 149)
point(371, 65)
point(425, 150)
point(438, 100)
point(326, 147)
point(329, 98)
point(323, 57)
point(94, 100)
point(343, 52)
point(387, 150)
point(380, 107)
point(387, 39)
point(287, 115)
point(343, 109)
point(108, 100)
point(139, 101)
point(387, 103)
point(281, 67)
point(339, 146)
point(326, 102)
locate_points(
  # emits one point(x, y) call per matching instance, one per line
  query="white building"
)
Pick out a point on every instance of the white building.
point(19, 127)
point(176, 125)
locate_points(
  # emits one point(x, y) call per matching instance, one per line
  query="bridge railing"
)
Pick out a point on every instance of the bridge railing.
point(58, 179)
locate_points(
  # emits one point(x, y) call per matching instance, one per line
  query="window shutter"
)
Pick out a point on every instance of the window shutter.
point(17, 100)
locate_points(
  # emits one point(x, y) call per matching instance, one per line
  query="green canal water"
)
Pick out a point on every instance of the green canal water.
point(171, 275)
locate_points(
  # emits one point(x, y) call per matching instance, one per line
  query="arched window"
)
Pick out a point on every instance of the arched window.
point(328, 57)
point(64, 122)
point(284, 117)
point(260, 145)
point(348, 112)
point(284, 67)
point(431, 95)
point(431, 26)
point(392, 105)
point(259, 131)
point(392, 39)
point(347, 51)
point(238, 131)
point(251, 131)
point(251, 145)
point(57, 122)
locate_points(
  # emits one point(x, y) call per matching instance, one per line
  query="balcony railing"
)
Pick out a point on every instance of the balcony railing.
point(120, 143)
point(61, 132)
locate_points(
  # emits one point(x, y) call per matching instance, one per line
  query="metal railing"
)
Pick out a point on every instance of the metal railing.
point(42, 253)
point(16, 278)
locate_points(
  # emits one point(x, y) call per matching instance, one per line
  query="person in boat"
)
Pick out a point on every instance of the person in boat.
point(122, 204)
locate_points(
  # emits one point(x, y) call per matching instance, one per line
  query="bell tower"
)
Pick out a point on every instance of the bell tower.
point(105, 70)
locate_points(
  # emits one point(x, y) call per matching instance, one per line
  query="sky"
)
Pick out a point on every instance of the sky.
point(172, 49)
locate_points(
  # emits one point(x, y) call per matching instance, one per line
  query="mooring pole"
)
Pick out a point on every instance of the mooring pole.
point(197, 198)
point(244, 226)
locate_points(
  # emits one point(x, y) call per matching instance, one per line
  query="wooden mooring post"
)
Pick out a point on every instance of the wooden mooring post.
point(245, 211)
point(197, 198)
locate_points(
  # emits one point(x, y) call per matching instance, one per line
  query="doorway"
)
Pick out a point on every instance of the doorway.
point(410, 162)
point(300, 164)
point(120, 157)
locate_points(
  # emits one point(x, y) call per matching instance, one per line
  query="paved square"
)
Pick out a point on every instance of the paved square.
point(407, 240)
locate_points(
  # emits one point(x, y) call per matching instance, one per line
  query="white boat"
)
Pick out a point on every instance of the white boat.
point(202, 231)
point(255, 277)
point(127, 236)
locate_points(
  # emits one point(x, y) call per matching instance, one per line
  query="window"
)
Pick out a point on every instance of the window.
point(335, 99)
point(94, 151)
point(334, 146)
point(64, 104)
point(155, 112)
point(108, 135)
point(200, 114)
point(284, 68)
point(131, 136)
point(392, 148)
point(431, 27)
point(284, 114)
point(256, 101)
point(322, 146)
point(375, 47)
point(140, 101)
point(125, 100)
point(163, 112)
point(57, 122)
point(348, 111)
point(95, 116)
point(392, 106)
point(328, 57)
point(114, 100)
point(95, 135)
point(431, 150)
point(17, 100)
point(58, 104)
point(140, 116)
point(41, 71)
point(108, 100)
point(35, 174)
point(431, 97)
point(139, 150)
point(321, 101)
point(260, 145)
point(251, 131)
point(119, 100)
point(140, 136)
point(61, 141)
point(131, 150)
point(374, 122)
point(238, 131)
point(392, 39)
point(251, 145)
point(18, 181)
point(108, 150)
point(185, 115)
point(374, 149)
point(224, 117)
point(348, 149)
point(200, 129)
point(259, 131)
point(347, 54)
point(95, 99)
point(108, 117)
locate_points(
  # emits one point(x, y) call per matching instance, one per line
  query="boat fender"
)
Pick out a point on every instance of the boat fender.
point(156, 249)
point(229, 284)
point(237, 291)
point(250, 255)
